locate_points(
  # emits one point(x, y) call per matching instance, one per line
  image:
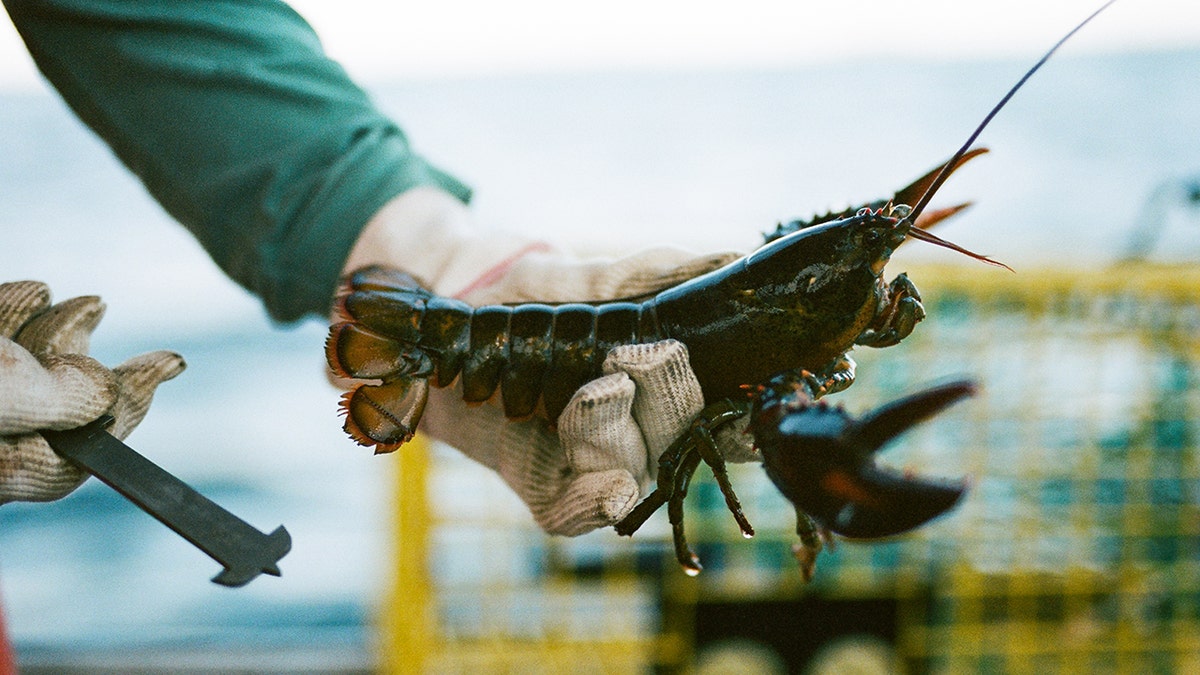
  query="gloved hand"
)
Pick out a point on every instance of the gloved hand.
point(590, 470)
point(48, 382)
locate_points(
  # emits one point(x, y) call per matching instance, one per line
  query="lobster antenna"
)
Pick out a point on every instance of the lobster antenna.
point(949, 166)
point(927, 236)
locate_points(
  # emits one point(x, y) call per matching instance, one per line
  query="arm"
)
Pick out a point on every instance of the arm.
point(244, 131)
point(239, 125)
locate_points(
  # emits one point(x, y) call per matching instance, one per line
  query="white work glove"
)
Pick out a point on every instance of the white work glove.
point(590, 471)
point(48, 382)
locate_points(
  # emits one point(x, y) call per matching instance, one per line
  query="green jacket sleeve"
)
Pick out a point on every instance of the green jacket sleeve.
point(238, 124)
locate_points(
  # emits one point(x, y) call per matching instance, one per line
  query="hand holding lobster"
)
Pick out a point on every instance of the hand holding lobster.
point(626, 382)
point(777, 323)
point(587, 471)
point(802, 301)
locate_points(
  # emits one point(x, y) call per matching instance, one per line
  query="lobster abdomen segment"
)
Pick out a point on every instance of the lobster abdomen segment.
point(488, 352)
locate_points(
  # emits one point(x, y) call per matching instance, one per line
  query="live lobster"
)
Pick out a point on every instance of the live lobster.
point(802, 301)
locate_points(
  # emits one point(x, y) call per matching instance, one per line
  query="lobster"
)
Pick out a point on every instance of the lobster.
point(803, 300)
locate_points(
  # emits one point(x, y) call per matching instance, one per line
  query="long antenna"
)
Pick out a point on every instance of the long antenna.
point(949, 166)
point(927, 236)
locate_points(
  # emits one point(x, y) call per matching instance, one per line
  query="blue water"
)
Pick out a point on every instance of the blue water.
point(600, 161)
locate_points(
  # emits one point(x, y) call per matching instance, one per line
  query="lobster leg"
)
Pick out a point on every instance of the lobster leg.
point(837, 376)
point(679, 462)
point(683, 478)
point(711, 418)
point(898, 318)
point(675, 469)
point(668, 463)
point(810, 545)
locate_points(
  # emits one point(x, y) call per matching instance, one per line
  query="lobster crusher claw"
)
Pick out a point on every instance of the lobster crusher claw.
point(823, 461)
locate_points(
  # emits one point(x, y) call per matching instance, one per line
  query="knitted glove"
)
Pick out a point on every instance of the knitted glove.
point(589, 470)
point(48, 382)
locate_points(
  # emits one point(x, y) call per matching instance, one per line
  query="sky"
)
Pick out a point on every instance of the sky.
point(380, 41)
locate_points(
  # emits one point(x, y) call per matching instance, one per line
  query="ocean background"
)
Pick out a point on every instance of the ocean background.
point(1093, 151)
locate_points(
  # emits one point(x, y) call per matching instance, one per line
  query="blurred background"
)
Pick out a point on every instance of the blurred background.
point(631, 125)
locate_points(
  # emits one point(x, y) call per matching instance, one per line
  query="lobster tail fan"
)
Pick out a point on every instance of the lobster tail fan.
point(381, 340)
point(396, 314)
point(380, 278)
point(385, 415)
point(356, 352)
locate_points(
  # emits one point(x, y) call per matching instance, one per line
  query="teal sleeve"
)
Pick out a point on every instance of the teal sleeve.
point(238, 124)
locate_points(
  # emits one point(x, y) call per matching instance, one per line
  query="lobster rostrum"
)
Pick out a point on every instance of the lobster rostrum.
point(768, 335)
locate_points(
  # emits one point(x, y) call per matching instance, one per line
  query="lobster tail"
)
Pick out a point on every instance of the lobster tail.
point(402, 334)
point(356, 352)
point(380, 278)
point(382, 339)
point(385, 415)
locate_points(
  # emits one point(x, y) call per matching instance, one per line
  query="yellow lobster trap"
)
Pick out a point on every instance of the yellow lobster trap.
point(1076, 550)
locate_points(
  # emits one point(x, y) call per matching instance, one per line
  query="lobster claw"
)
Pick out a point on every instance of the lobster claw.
point(823, 461)
point(881, 503)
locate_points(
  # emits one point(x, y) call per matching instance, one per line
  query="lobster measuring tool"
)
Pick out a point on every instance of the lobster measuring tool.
point(239, 547)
